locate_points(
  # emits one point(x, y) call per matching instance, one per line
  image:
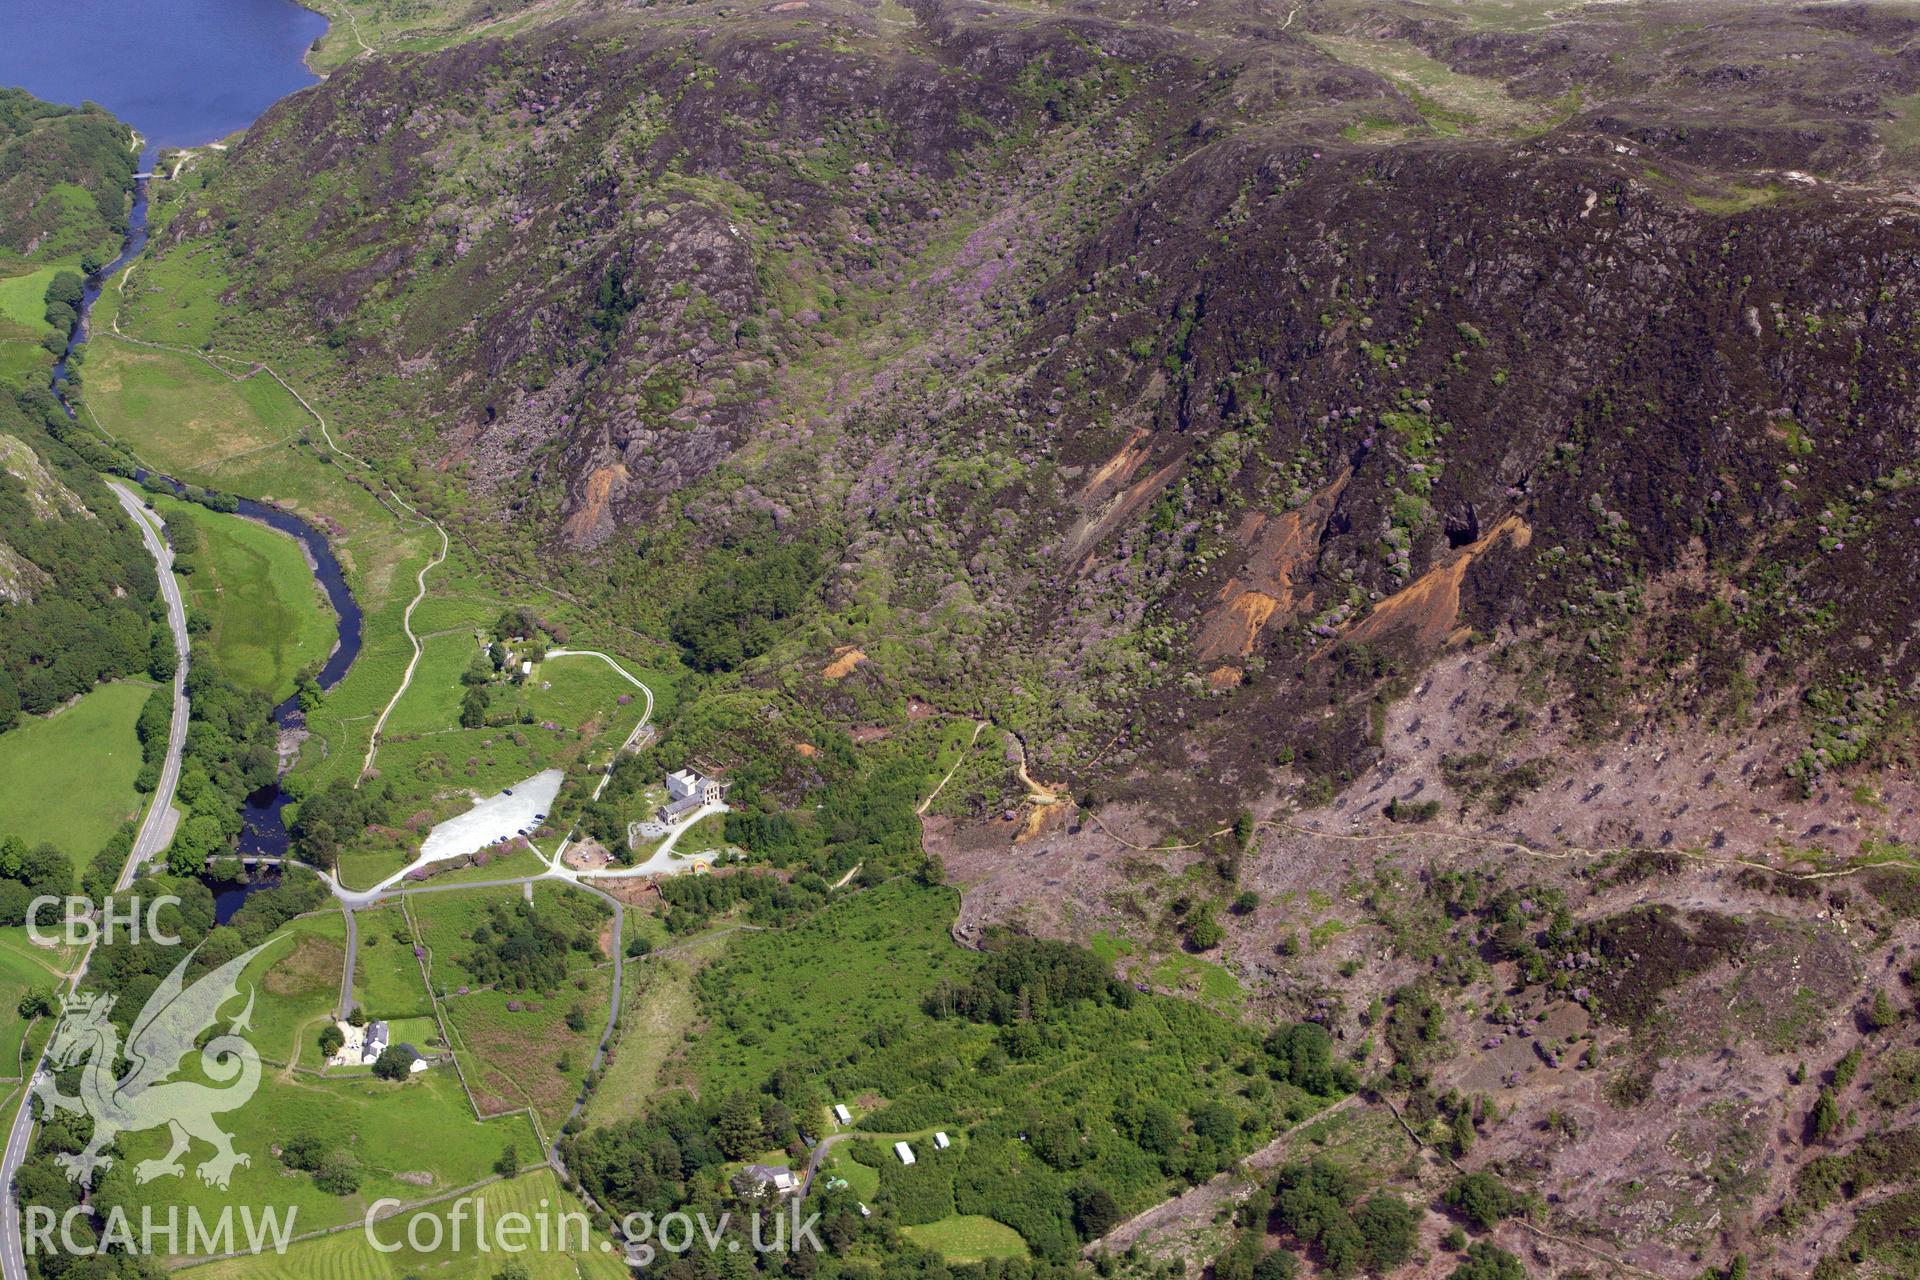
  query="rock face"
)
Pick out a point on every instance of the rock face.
point(1172, 352)
point(1213, 317)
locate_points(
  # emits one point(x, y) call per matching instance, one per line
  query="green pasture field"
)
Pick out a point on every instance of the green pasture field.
point(182, 415)
point(24, 967)
point(432, 702)
point(967, 1237)
point(527, 1057)
point(269, 617)
point(411, 1139)
point(23, 364)
point(247, 438)
point(296, 986)
point(498, 866)
point(23, 303)
point(441, 772)
point(386, 977)
point(349, 1255)
point(67, 778)
point(172, 296)
point(445, 923)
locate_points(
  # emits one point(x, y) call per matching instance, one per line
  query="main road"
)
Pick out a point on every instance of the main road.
point(155, 833)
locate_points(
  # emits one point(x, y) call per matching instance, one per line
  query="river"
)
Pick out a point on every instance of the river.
point(184, 73)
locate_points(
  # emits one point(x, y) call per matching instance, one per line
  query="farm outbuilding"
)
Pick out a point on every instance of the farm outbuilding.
point(904, 1151)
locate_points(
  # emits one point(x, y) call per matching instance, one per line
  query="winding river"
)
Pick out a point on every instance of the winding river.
point(185, 73)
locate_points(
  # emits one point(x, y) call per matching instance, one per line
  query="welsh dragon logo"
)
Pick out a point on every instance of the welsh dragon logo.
point(167, 1030)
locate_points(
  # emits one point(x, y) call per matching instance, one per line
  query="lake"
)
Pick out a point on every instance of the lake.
point(182, 72)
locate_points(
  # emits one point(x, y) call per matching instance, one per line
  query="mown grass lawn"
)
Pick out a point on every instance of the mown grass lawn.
point(350, 1255)
point(269, 619)
point(67, 778)
point(967, 1237)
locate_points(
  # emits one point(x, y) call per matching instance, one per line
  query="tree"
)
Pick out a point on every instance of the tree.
point(509, 1162)
point(35, 1004)
point(1881, 1013)
point(1489, 1262)
point(1205, 933)
point(738, 1128)
point(394, 1062)
point(473, 707)
point(1094, 1211)
point(1276, 1264)
point(1825, 1120)
point(337, 1174)
point(331, 1038)
point(1389, 1228)
point(1461, 1132)
point(1482, 1199)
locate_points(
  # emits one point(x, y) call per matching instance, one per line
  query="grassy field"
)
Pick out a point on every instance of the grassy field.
point(68, 778)
point(386, 976)
point(1449, 101)
point(968, 1237)
point(520, 1057)
point(357, 25)
point(864, 1180)
point(24, 967)
point(410, 1140)
point(269, 618)
point(182, 415)
point(23, 304)
point(432, 701)
point(659, 1009)
point(246, 438)
point(296, 985)
point(349, 1255)
point(23, 364)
